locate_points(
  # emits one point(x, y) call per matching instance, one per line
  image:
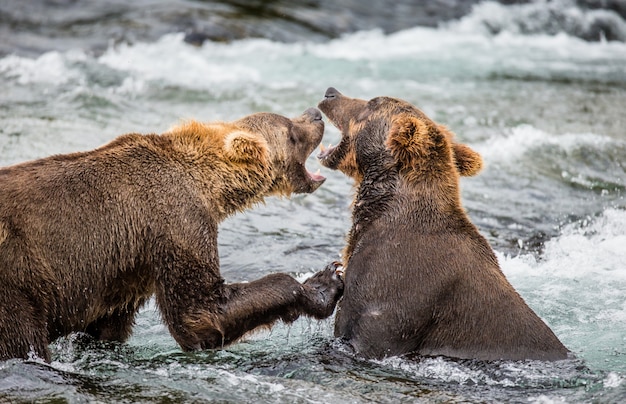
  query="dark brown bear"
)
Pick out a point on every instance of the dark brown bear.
point(87, 238)
point(419, 278)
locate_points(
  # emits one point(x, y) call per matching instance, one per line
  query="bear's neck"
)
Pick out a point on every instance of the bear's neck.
point(234, 188)
point(432, 202)
point(227, 187)
point(373, 197)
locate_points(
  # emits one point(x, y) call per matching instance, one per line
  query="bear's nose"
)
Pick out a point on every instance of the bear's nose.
point(331, 93)
point(314, 113)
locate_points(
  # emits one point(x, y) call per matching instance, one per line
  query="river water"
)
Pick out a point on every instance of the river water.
point(547, 112)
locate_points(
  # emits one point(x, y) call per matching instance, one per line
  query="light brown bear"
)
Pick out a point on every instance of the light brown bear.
point(419, 277)
point(87, 238)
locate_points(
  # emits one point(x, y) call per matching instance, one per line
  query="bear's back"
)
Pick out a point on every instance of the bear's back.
point(436, 289)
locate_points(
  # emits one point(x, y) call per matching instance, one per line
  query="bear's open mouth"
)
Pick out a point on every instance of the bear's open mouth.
point(325, 152)
point(305, 181)
point(316, 176)
point(331, 156)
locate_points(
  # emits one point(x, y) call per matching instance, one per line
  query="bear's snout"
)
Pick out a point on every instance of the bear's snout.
point(331, 93)
point(314, 114)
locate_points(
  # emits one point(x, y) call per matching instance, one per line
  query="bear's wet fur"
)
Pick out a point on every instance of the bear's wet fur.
point(419, 277)
point(87, 238)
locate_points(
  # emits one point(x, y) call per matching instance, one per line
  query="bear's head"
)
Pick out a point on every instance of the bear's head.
point(285, 144)
point(389, 132)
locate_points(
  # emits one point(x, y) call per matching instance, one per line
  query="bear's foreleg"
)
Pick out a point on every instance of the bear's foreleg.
point(243, 307)
point(278, 296)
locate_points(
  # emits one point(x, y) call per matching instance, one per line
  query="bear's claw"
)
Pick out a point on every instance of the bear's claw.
point(322, 291)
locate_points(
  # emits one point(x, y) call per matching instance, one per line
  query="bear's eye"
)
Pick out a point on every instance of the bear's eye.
point(292, 138)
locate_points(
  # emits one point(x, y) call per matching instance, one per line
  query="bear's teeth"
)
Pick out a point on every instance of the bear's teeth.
point(324, 148)
point(318, 172)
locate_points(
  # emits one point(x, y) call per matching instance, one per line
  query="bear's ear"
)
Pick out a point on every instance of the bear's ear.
point(409, 139)
point(468, 162)
point(245, 147)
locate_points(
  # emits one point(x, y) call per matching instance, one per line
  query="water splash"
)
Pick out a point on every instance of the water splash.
point(544, 17)
point(580, 279)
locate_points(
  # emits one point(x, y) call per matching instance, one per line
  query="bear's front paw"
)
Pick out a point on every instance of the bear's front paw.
point(322, 291)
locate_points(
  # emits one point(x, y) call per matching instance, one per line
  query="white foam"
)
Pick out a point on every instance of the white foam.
point(613, 380)
point(443, 369)
point(248, 380)
point(469, 38)
point(523, 139)
point(578, 285)
point(50, 67)
point(544, 399)
point(172, 61)
point(595, 247)
point(419, 42)
point(540, 18)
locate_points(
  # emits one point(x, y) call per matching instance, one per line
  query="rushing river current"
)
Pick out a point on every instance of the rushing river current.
point(547, 113)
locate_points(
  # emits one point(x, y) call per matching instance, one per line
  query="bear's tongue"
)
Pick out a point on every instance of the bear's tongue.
point(316, 176)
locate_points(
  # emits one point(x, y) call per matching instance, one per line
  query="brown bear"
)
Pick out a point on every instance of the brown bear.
point(86, 238)
point(419, 277)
